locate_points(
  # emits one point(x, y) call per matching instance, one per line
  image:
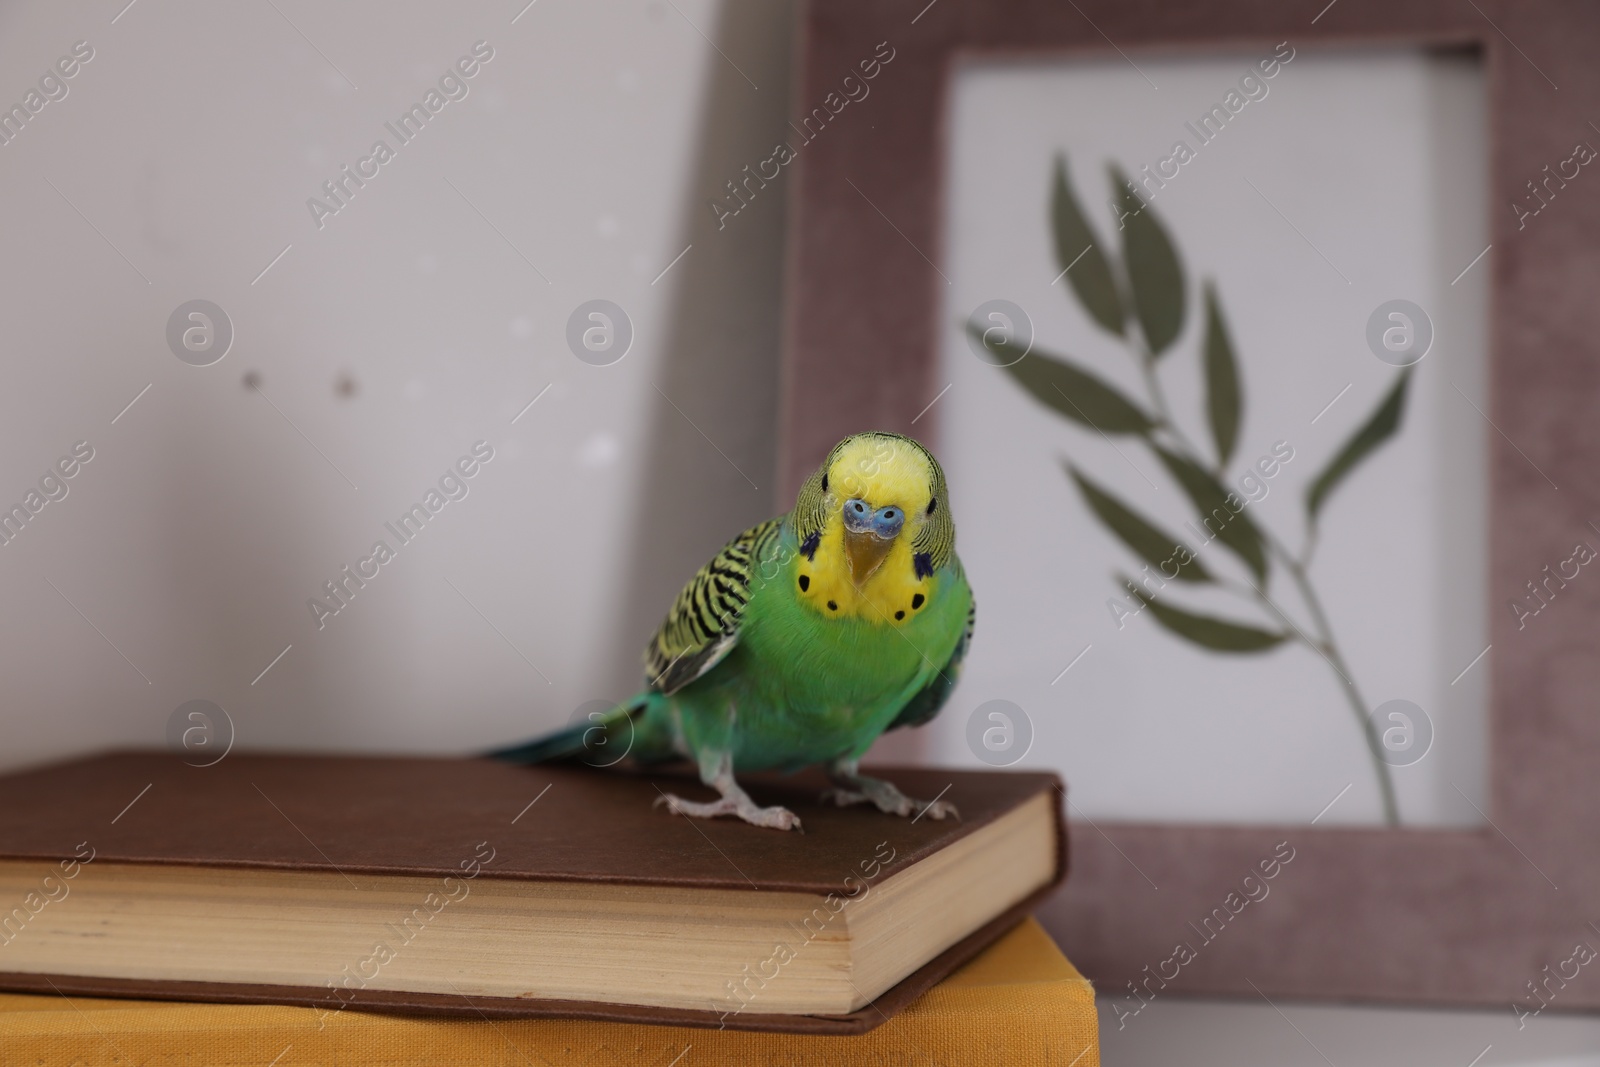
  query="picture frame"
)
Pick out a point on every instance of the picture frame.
point(1492, 915)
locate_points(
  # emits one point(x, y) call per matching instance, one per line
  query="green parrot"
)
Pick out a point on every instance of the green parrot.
point(803, 640)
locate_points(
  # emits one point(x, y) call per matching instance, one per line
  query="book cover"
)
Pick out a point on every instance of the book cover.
point(467, 822)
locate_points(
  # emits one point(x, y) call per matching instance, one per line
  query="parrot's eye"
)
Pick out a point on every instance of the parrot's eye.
point(824, 483)
point(932, 504)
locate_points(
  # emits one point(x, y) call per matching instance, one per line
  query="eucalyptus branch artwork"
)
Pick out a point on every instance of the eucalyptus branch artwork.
point(1139, 298)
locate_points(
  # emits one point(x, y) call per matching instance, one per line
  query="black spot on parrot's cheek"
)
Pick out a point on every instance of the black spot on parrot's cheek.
point(923, 564)
point(805, 582)
point(832, 606)
point(917, 601)
point(808, 548)
point(899, 615)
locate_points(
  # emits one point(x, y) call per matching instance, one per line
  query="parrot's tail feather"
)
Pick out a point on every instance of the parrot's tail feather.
point(559, 745)
point(579, 739)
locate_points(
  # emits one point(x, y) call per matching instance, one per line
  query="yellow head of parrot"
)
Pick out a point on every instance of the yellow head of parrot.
point(877, 483)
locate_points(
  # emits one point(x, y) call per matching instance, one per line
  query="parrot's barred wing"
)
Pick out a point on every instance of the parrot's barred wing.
point(703, 625)
point(927, 701)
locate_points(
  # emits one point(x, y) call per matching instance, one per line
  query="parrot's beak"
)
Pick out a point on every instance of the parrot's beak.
point(866, 551)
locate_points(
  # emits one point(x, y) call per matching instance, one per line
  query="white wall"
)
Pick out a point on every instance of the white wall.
point(210, 513)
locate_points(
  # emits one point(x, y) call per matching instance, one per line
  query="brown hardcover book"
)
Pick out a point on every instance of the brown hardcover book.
point(476, 888)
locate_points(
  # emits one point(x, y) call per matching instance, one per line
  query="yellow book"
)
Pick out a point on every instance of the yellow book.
point(1019, 1002)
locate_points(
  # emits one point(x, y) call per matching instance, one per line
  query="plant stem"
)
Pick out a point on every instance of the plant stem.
point(1324, 643)
point(1330, 651)
point(1311, 544)
point(1147, 364)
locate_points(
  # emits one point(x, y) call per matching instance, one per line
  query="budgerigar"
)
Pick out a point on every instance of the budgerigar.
point(805, 639)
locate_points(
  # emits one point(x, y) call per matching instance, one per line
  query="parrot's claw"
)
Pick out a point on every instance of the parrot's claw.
point(845, 798)
point(858, 789)
point(937, 809)
point(716, 770)
point(774, 818)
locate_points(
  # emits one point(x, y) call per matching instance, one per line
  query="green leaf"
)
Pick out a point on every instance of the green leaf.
point(1223, 398)
point(1148, 541)
point(1229, 525)
point(1075, 393)
point(1208, 631)
point(1378, 429)
point(1080, 257)
point(1154, 272)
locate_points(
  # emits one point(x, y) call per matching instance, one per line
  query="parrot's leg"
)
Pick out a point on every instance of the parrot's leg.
point(716, 770)
point(852, 787)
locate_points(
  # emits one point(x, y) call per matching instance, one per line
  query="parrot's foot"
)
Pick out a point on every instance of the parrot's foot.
point(851, 788)
point(740, 804)
point(716, 770)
